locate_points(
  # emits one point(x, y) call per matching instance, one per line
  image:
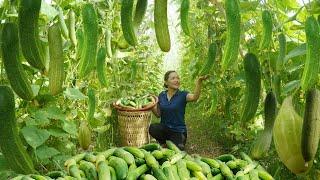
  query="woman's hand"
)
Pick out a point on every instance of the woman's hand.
point(202, 78)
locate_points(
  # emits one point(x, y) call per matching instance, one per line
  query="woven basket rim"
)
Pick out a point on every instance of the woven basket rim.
point(119, 108)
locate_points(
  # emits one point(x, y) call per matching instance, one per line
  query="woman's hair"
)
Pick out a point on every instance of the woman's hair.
point(166, 77)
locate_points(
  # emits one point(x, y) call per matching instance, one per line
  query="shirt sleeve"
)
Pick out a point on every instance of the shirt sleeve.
point(185, 93)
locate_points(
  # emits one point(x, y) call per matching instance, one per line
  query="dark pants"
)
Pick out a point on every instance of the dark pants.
point(162, 133)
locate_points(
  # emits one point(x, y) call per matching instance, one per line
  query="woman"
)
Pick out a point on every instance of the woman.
point(171, 109)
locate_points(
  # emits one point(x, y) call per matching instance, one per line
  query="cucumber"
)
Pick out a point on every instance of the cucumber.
point(167, 153)
point(139, 161)
point(137, 172)
point(311, 67)
point(232, 164)
point(120, 166)
point(72, 27)
point(267, 30)
point(282, 52)
point(161, 24)
point(12, 64)
point(215, 171)
point(245, 157)
point(254, 175)
point(128, 157)
point(28, 16)
point(89, 169)
point(232, 43)
point(311, 125)
point(158, 173)
point(127, 22)
point(80, 39)
point(151, 160)
point(211, 58)
point(101, 56)
point(211, 162)
point(172, 146)
point(113, 173)
point(108, 36)
point(56, 174)
point(199, 175)
point(151, 147)
point(226, 157)
point(11, 145)
point(174, 170)
point(141, 9)
point(157, 154)
point(90, 157)
point(91, 104)
point(175, 158)
point(218, 177)
point(108, 152)
point(134, 151)
point(184, 13)
point(62, 23)
point(183, 172)
point(56, 67)
point(148, 177)
point(90, 43)
point(253, 87)
point(193, 166)
point(225, 170)
point(168, 172)
point(262, 144)
point(264, 175)
point(204, 166)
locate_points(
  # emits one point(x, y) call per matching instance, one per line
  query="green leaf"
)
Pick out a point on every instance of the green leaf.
point(35, 137)
point(56, 132)
point(74, 94)
point(41, 118)
point(292, 85)
point(35, 89)
point(298, 51)
point(45, 152)
point(70, 127)
point(48, 10)
point(55, 113)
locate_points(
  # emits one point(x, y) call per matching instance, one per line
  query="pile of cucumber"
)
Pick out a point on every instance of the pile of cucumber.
point(152, 162)
point(135, 102)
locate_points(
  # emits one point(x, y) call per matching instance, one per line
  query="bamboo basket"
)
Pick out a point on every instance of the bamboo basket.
point(134, 125)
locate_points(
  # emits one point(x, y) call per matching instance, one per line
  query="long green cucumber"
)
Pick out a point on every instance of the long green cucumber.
point(62, 23)
point(184, 14)
point(91, 104)
point(161, 24)
point(211, 57)
point(90, 45)
point(108, 37)
point(282, 52)
point(311, 67)
point(11, 145)
point(101, 56)
point(127, 22)
point(232, 43)
point(29, 33)
point(56, 69)
point(311, 125)
point(267, 30)
point(141, 9)
point(72, 27)
point(253, 86)
point(14, 70)
point(80, 41)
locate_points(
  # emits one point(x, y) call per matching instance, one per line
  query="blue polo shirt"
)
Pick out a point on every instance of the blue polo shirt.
point(172, 112)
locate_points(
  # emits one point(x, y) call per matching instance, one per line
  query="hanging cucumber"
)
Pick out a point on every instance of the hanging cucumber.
point(108, 42)
point(90, 44)
point(311, 67)
point(91, 104)
point(29, 33)
point(11, 146)
point(62, 23)
point(262, 144)
point(267, 30)
point(282, 52)
point(56, 69)
point(80, 41)
point(72, 27)
point(211, 57)
point(184, 13)
point(231, 47)
point(127, 22)
point(311, 125)
point(84, 135)
point(101, 56)
point(161, 25)
point(12, 64)
point(253, 86)
point(141, 9)
point(214, 100)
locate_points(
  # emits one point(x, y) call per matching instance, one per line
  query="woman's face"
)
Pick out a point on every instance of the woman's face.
point(173, 81)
